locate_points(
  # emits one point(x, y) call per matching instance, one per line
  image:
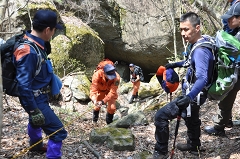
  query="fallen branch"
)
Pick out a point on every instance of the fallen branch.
point(92, 150)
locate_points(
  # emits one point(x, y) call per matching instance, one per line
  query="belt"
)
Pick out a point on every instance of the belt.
point(44, 90)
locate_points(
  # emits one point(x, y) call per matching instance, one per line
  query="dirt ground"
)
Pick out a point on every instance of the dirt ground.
point(78, 124)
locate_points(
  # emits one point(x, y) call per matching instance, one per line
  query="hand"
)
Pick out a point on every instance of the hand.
point(183, 102)
point(37, 117)
point(99, 103)
point(132, 80)
point(170, 65)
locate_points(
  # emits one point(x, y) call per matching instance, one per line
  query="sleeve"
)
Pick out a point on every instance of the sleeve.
point(26, 60)
point(180, 63)
point(112, 94)
point(94, 86)
point(202, 58)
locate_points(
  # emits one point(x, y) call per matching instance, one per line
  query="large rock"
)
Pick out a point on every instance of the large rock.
point(133, 31)
point(118, 139)
point(134, 119)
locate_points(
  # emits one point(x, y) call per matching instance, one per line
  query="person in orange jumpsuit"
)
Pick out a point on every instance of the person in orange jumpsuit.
point(135, 79)
point(103, 91)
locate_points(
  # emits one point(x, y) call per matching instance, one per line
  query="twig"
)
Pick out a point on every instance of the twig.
point(92, 150)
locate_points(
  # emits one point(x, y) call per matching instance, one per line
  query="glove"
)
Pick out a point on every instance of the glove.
point(99, 103)
point(37, 117)
point(132, 80)
point(183, 102)
point(170, 65)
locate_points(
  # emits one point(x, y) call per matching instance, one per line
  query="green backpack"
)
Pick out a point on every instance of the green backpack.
point(227, 51)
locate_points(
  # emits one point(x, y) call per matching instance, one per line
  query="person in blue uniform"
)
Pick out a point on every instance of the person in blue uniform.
point(199, 66)
point(34, 89)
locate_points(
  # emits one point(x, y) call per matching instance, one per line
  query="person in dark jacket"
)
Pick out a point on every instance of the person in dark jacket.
point(135, 79)
point(34, 89)
point(199, 65)
point(225, 22)
point(225, 106)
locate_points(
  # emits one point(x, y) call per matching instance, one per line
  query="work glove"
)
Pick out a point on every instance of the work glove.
point(183, 102)
point(100, 103)
point(37, 117)
point(170, 65)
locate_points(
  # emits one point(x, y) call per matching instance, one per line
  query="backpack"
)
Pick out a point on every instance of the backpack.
point(168, 79)
point(226, 49)
point(140, 72)
point(9, 81)
point(102, 63)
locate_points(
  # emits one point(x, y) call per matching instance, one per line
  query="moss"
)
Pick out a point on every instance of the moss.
point(33, 7)
point(122, 13)
point(115, 132)
point(84, 87)
point(79, 32)
point(144, 154)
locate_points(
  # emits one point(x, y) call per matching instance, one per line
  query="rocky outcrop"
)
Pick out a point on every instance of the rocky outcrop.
point(117, 139)
point(137, 31)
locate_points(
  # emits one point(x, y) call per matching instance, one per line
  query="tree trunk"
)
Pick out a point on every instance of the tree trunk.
point(2, 16)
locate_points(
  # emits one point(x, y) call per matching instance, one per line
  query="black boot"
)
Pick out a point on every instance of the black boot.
point(109, 118)
point(95, 115)
point(230, 123)
point(188, 147)
point(40, 148)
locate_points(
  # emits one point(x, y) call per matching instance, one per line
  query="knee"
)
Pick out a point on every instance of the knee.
point(59, 136)
point(111, 110)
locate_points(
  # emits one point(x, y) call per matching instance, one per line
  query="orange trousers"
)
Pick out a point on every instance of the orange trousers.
point(136, 86)
point(111, 104)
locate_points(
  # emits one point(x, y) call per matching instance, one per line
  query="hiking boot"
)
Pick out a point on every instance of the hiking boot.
point(95, 116)
point(212, 131)
point(187, 147)
point(39, 149)
point(159, 155)
point(230, 124)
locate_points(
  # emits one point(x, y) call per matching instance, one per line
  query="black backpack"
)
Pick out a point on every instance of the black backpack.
point(140, 73)
point(10, 84)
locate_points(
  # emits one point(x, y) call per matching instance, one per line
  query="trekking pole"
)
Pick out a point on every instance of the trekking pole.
point(176, 133)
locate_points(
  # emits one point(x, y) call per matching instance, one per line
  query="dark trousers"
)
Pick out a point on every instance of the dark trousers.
point(225, 107)
point(169, 112)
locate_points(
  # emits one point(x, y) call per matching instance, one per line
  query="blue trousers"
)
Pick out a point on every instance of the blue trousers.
point(52, 124)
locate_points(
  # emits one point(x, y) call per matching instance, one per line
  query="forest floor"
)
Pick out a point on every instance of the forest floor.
point(14, 142)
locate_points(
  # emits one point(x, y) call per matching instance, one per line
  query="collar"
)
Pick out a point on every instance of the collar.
point(35, 39)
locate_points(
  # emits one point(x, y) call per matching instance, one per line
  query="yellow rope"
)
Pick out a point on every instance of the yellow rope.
point(27, 149)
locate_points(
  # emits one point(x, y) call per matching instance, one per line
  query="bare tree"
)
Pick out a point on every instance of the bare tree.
point(3, 4)
point(172, 13)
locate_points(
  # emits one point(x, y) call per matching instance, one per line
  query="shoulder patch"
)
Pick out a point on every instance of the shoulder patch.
point(21, 51)
point(116, 83)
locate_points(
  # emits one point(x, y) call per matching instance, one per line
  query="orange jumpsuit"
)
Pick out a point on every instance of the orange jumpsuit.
point(136, 85)
point(104, 90)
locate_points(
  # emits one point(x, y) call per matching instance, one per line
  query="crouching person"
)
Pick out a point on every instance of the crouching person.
point(199, 66)
point(103, 91)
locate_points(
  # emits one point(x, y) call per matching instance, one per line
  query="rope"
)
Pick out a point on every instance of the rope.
point(66, 125)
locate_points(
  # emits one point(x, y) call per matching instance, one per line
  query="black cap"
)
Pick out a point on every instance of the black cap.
point(46, 18)
point(109, 70)
point(234, 10)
